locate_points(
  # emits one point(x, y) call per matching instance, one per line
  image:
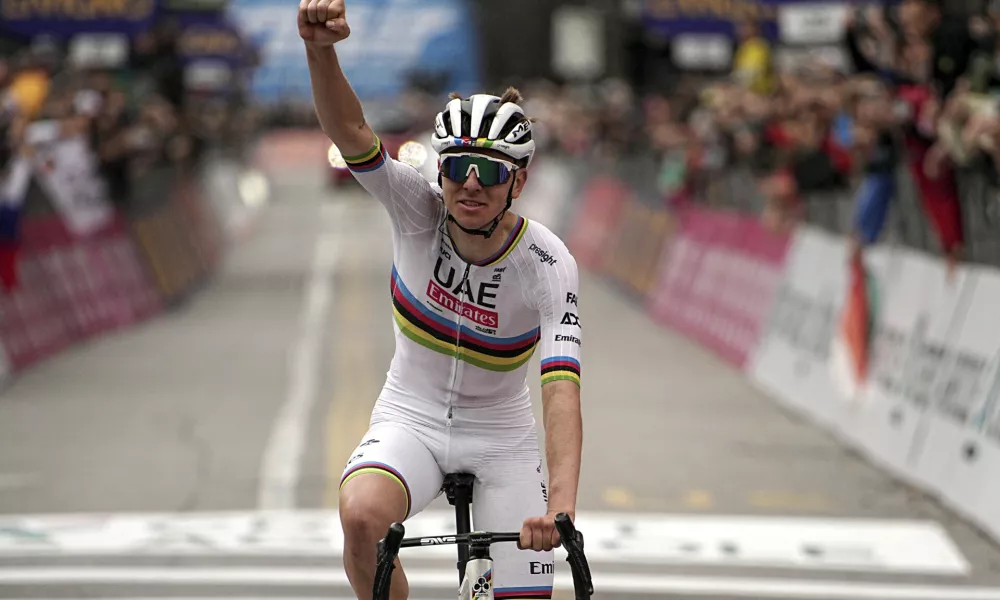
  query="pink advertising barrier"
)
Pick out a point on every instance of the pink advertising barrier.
point(717, 280)
point(70, 289)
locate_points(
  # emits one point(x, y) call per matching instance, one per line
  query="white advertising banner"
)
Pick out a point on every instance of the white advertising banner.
point(928, 408)
point(813, 23)
point(791, 359)
point(961, 451)
point(916, 316)
point(801, 356)
point(66, 169)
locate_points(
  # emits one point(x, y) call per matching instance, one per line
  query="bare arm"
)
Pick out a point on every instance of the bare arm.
point(560, 349)
point(337, 106)
point(563, 422)
point(323, 23)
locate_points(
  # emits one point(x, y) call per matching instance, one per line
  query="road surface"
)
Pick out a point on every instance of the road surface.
point(197, 456)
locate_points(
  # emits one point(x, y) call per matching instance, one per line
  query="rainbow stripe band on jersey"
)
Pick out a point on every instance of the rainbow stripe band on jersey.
point(434, 332)
point(560, 368)
point(369, 161)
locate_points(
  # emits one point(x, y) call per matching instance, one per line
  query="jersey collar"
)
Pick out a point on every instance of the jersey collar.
point(508, 246)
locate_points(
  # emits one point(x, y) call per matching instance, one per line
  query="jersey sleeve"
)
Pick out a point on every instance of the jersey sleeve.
point(411, 200)
point(561, 331)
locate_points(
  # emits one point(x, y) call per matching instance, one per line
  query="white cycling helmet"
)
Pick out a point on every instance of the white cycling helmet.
point(484, 121)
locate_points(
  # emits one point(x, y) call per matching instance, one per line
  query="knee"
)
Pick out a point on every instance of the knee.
point(363, 520)
point(366, 516)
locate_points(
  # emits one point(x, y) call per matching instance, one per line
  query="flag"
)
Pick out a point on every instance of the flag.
point(13, 192)
point(851, 345)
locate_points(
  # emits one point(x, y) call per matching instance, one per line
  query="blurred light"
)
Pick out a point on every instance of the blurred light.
point(335, 157)
point(254, 189)
point(413, 153)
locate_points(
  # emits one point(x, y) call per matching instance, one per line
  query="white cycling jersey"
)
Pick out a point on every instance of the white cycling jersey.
point(456, 395)
point(465, 331)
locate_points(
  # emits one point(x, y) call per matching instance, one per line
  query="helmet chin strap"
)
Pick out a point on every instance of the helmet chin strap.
point(496, 220)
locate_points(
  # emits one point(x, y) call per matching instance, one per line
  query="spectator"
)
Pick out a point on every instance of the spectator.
point(951, 42)
point(878, 148)
point(803, 138)
point(29, 87)
point(753, 62)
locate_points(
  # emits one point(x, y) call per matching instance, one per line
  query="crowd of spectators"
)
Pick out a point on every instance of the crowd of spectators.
point(903, 117)
point(909, 109)
point(137, 113)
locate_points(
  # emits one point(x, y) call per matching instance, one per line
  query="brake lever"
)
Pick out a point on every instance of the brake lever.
point(572, 540)
point(388, 549)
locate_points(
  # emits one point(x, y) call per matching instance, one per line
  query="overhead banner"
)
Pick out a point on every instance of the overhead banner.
point(98, 50)
point(215, 40)
point(790, 21)
point(208, 6)
point(390, 41)
point(63, 19)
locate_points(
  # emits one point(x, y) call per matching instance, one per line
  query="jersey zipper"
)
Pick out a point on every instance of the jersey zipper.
point(458, 337)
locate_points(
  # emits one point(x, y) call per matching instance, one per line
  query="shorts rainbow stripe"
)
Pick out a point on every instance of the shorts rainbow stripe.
point(381, 469)
point(523, 593)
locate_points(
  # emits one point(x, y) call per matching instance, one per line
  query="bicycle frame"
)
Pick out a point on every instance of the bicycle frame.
point(477, 582)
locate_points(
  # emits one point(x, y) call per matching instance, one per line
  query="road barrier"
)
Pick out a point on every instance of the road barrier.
point(66, 285)
point(890, 350)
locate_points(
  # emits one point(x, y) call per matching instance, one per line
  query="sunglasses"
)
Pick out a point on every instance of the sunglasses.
point(489, 171)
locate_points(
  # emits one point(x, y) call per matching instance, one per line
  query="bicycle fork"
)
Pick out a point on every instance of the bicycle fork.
point(478, 582)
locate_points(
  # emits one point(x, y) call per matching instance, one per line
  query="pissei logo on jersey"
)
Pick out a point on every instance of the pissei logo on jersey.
point(460, 298)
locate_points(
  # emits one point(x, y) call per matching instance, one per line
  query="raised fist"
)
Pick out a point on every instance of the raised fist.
point(323, 22)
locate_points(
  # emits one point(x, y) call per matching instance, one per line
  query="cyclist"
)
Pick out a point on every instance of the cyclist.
point(475, 289)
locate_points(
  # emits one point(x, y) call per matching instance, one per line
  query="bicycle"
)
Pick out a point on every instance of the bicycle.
point(473, 548)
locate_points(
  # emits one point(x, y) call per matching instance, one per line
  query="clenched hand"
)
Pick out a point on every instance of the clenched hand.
point(323, 22)
point(540, 533)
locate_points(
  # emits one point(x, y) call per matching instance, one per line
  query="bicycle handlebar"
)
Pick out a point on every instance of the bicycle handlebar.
point(570, 538)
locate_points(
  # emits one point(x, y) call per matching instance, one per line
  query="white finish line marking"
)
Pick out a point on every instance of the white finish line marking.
point(603, 583)
point(279, 471)
point(918, 547)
